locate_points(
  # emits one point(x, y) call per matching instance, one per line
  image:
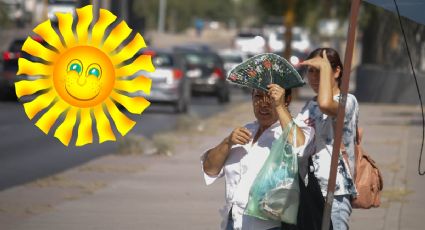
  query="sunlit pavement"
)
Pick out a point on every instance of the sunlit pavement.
point(158, 192)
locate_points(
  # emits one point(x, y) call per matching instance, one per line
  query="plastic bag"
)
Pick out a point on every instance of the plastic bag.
point(275, 191)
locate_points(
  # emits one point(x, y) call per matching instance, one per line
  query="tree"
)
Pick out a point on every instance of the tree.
point(181, 13)
point(383, 42)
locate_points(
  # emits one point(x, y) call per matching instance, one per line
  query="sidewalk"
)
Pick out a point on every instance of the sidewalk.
point(159, 192)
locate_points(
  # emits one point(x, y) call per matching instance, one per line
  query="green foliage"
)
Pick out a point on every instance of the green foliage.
point(181, 14)
point(4, 20)
point(309, 12)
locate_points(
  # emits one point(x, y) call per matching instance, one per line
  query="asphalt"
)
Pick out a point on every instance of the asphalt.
point(26, 154)
point(158, 192)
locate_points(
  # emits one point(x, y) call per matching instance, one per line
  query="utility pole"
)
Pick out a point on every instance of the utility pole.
point(161, 17)
point(124, 10)
point(289, 19)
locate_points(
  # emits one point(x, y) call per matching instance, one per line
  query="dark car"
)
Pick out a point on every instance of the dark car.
point(8, 76)
point(169, 83)
point(10, 67)
point(205, 69)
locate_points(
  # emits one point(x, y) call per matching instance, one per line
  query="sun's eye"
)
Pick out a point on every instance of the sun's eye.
point(95, 70)
point(75, 65)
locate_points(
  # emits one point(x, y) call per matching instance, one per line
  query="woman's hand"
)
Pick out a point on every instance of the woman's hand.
point(240, 136)
point(216, 157)
point(318, 62)
point(277, 95)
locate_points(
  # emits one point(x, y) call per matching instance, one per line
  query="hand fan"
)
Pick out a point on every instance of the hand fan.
point(264, 69)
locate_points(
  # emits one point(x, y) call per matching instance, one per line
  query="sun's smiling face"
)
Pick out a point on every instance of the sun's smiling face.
point(83, 77)
point(84, 82)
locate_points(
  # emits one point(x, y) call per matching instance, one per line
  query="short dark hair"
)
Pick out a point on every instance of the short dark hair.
point(333, 58)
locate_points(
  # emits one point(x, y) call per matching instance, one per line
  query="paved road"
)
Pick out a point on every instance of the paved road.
point(27, 154)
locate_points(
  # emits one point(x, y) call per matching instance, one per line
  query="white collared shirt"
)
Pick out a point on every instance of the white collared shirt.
point(240, 170)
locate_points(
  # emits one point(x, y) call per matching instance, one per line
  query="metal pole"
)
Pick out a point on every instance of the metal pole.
point(161, 17)
point(355, 5)
point(124, 10)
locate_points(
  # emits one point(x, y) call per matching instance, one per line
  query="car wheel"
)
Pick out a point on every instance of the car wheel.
point(180, 106)
point(223, 96)
point(227, 97)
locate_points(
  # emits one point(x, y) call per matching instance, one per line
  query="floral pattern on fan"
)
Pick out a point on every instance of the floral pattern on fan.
point(264, 69)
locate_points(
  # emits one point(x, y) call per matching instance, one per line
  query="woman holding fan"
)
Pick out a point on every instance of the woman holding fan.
point(240, 156)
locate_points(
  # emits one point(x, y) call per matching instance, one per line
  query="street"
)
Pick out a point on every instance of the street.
point(26, 153)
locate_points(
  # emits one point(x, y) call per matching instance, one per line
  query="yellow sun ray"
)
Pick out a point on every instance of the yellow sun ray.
point(103, 125)
point(133, 104)
point(48, 119)
point(64, 131)
point(105, 19)
point(65, 28)
point(139, 83)
point(116, 37)
point(35, 106)
point(85, 17)
point(33, 68)
point(35, 49)
point(45, 31)
point(129, 50)
point(85, 134)
point(83, 74)
point(143, 62)
point(122, 122)
point(24, 88)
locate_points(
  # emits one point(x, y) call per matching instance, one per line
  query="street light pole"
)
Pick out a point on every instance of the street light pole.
point(161, 17)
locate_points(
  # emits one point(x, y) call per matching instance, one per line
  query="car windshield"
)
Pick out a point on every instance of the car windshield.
point(62, 2)
point(162, 60)
point(201, 59)
point(247, 35)
point(295, 36)
point(232, 58)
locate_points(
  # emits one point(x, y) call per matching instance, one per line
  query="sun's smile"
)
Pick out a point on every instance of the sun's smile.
point(83, 76)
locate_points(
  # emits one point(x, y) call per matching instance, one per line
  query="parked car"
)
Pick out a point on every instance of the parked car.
point(8, 75)
point(60, 6)
point(250, 42)
point(232, 58)
point(169, 83)
point(296, 58)
point(206, 72)
point(300, 41)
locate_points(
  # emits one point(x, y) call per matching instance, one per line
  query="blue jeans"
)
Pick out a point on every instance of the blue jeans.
point(341, 211)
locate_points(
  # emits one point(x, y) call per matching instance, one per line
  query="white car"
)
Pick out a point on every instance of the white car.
point(232, 58)
point(300, 41)
point(60, 6)
point(250, 43)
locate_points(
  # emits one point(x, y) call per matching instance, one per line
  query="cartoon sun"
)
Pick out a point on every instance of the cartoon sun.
point(82, 76)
